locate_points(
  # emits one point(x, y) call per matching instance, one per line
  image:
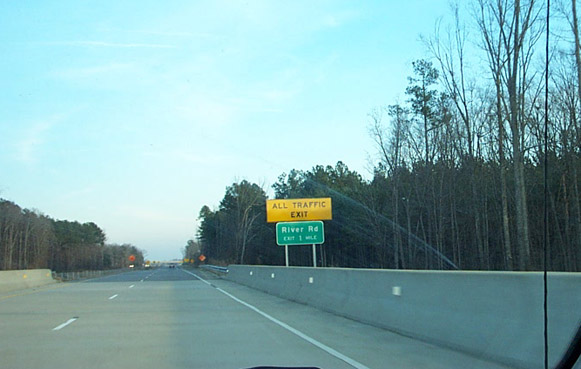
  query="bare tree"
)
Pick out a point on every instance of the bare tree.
point(390, 144)
point(450, 52)
point(509, 35)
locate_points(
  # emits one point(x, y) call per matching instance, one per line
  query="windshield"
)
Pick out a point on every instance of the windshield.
point(332, 184)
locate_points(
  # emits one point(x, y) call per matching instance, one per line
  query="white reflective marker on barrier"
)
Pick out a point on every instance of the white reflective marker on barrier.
point(396, 291)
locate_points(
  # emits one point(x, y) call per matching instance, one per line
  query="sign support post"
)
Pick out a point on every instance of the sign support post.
point(314, 256)
point(286, 254)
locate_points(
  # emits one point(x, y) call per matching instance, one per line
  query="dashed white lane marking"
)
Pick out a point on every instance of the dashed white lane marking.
point(302, 335)
point(132, 286)
point(112, 297)
point(58, 328)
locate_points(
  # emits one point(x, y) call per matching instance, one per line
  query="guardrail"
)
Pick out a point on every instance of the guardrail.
point(215, 268)
point(85, 274)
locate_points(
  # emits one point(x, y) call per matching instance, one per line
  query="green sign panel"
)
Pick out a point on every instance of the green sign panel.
point(300, 233)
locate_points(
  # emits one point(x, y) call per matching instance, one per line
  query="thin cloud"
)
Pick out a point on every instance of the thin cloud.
point(94, 70)
point(109, 44)
point(266, 110)
point(34, 137)
point(162, 33)
point(166, 33)
point(29, 146)
point(339, 19)
point(139, 213)
point(79, 193)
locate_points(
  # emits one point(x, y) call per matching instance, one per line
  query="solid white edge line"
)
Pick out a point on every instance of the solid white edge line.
point(302, 335)
point(201, 279)
point(58, 328)
point(112, 297)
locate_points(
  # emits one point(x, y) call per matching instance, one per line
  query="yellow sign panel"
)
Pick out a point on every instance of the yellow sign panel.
point(289, 210)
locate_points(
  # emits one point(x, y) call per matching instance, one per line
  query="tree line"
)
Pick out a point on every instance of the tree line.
point(459, 182)
point(32, 240)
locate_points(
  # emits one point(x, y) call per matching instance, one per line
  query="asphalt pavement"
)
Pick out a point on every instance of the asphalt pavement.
point(176, 318)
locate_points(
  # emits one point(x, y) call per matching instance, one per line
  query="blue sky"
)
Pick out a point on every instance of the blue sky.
point(135, 114)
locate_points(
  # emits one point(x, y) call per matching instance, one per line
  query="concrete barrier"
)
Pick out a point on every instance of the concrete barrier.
point(492, 315)
point(12, 280)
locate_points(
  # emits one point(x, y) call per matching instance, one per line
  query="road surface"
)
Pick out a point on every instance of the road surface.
point(176, 318)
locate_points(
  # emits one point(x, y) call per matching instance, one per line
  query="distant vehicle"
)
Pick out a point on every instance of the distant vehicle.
point(131, 266)
point(147, 266)
point(172, 266)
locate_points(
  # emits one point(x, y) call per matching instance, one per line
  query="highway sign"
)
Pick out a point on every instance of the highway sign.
point(291, 210)
point(300, 233)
